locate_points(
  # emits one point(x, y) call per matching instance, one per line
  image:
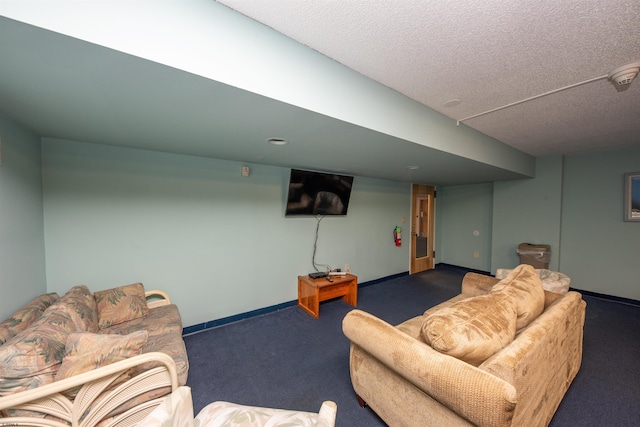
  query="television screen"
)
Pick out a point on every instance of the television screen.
point(317, 193)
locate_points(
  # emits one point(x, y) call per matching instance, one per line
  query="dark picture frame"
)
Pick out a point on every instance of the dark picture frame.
point(632, 196)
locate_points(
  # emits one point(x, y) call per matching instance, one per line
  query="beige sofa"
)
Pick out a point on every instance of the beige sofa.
point(91, 356)
point(496, 358)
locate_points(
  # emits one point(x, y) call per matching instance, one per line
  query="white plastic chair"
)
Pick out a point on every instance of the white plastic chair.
point(177, 411)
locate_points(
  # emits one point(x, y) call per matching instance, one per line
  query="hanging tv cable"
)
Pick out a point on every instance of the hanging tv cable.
point(315, 246)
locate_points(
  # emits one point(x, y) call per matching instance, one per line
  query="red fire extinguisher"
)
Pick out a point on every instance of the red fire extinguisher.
point(397, 236)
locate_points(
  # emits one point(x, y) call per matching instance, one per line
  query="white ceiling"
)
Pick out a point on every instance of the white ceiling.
point(486, 54)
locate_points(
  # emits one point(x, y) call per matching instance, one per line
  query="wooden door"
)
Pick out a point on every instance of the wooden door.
point(422, 227)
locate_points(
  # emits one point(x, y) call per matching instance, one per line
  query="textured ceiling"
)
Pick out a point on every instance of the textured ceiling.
point(486, 54)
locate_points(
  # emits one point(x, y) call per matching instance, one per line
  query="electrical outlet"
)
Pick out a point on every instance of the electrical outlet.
point(347, 268)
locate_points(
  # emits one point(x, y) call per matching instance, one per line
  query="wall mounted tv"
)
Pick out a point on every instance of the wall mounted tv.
point(318, 193)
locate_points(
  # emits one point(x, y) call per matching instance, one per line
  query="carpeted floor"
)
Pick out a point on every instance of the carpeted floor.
point(286, 359)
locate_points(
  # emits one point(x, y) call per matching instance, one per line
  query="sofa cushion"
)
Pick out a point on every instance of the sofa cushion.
point(165, 335)
point(472, 329)
point(525, 287)
point(86, 351)
point(43, 301)
point(25, 316)
point(31, 358)
point(79, 304)
point(121, 304)
point(159, 321)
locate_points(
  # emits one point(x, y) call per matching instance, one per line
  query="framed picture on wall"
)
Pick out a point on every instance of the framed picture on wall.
point(632, 196)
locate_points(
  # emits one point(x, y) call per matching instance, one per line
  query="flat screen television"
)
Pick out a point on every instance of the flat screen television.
point(318, 193)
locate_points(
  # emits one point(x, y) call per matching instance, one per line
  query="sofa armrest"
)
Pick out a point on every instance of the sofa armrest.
point(543, 360)
point(94, 400)
point(474, 284)
point(156, 298)
point(477, 396)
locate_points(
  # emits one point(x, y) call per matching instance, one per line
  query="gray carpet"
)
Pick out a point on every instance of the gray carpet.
point(286, 359)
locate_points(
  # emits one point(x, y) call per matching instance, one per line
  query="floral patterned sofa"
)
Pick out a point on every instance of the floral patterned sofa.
point(53, 342)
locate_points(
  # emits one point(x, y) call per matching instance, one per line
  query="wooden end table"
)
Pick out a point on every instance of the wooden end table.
point(311, 292)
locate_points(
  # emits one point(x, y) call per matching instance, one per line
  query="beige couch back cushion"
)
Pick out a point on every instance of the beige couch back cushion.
point(524, 286)
point(473, 329)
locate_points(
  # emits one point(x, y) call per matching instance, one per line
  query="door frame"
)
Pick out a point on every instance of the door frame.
point(420, 192)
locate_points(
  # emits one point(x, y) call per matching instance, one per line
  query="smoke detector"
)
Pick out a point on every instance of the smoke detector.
point(624, 75)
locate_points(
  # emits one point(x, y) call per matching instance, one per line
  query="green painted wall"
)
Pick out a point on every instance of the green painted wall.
point(505, 214)
point(217, 242)
point(529, 211)
point(575, 204)
point(220, 244)
point(600, 251)
point(463, 210)
point(22, 269)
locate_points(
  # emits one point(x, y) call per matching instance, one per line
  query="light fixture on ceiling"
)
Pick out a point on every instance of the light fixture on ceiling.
point(621, 77)
point(277, 141)
point(452, 103)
